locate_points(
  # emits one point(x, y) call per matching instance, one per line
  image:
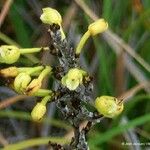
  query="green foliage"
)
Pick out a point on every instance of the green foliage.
point(21, 29)
point(101, 138)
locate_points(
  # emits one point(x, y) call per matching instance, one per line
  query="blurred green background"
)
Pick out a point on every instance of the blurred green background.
point(115, 72)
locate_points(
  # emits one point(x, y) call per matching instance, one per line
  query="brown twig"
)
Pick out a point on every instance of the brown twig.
point(3, 141)
point(119, 74)
point(86, 9)
point(9, 101)
point(142, 133)
point(131, 92)
point(137, 5)
point(128, 49)
point(5, 11)
point(129, 64)
point(70, 14)
point(70, 134)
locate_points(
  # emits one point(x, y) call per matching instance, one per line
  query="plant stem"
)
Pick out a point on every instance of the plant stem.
point(45, 100)
point(32, 50)
point(42, 92)
point(30, 70)
point(44, 73)
point(82, 42)
point(62, 33)
point(34, 70)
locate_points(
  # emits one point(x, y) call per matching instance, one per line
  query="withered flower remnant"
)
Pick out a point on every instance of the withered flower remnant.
point(36, 84)
point(9, 72)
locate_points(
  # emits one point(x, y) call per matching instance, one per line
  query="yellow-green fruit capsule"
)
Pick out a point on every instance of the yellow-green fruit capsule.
point(108, 106)
point(97, 27)
point(21, 82)
point(9, 54)
point(38, 112)
point(51, 16)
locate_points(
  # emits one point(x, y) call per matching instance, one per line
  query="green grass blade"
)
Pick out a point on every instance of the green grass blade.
point(101, 138)
point(26, 116)
point(104, 74)
point(107, 10)
point(7, 40)
point(35, 142)
point(21, 30)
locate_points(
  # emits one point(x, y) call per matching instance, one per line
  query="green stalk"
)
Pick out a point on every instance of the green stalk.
point(82, 42)
point(42, 93)
point(32, 50)
point(45, 100)
point(101, 138)
point(30, 70)
point(62, 33)
point(44, 73)
point(34, 70)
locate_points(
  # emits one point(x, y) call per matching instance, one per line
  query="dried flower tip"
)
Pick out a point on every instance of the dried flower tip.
point(9, 54)
point(73, 78)
point(33, 87)
point(21, 82)
point(9, 72)
point(38, 112)
point(36, 84)
point(108, 106)
point(50, 16)
point(97, 27)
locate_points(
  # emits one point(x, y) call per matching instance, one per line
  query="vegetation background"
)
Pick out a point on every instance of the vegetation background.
point(119, 61)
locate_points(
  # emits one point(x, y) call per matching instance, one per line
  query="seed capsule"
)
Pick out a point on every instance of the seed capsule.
point(108, 106)
point(9, 54)
point(21, 82)
point(51, 16)
point(38, 112)
point(97, 27)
